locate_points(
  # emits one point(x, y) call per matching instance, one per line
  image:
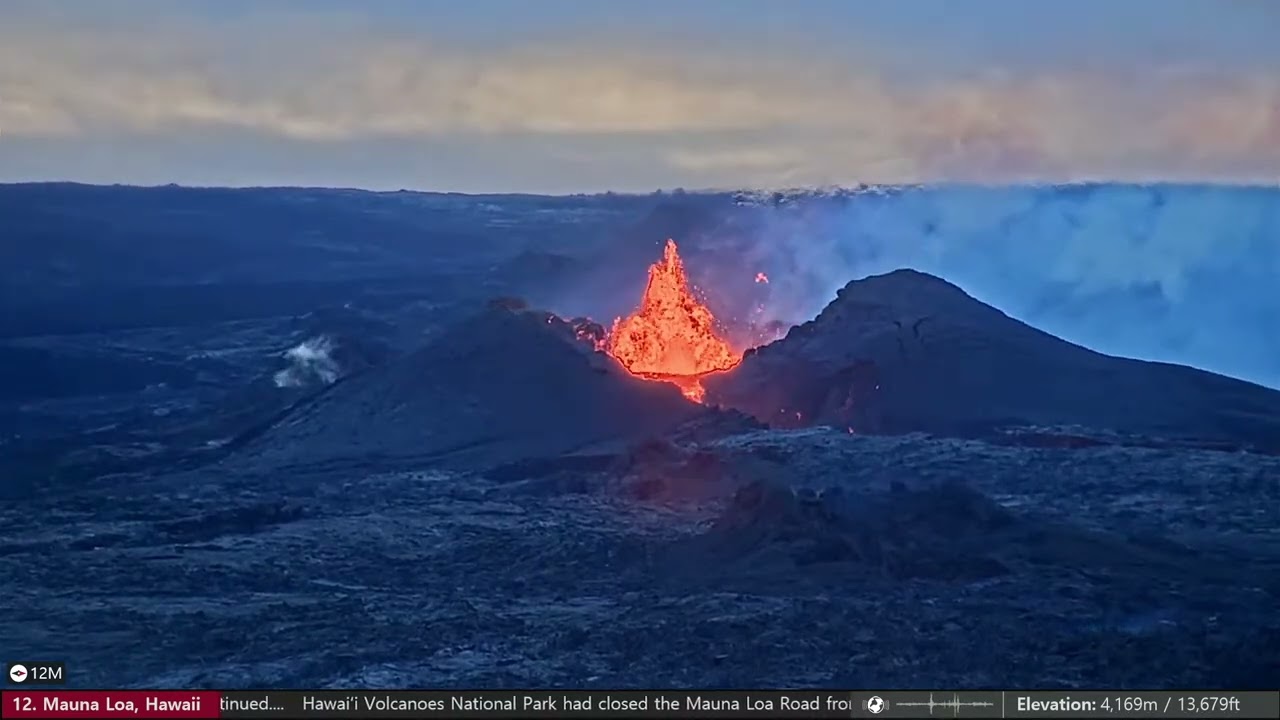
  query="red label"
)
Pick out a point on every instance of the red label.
point(111, 704)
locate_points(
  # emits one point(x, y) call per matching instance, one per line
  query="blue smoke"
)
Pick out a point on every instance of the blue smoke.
point(1177, 273)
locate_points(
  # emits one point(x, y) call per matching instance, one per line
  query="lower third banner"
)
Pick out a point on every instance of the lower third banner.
point(584, 704)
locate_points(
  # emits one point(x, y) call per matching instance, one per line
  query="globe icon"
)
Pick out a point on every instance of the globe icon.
point(875, 705)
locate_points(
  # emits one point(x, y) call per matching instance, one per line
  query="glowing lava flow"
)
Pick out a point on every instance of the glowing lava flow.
point(672, 335)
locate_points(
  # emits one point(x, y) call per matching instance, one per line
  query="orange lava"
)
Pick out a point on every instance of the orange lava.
point(672, 335)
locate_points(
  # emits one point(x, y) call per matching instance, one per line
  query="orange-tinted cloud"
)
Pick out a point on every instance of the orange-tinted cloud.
point(719, 117)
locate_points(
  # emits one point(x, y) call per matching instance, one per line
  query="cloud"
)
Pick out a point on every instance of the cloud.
point(349, 88)
point(716, 116)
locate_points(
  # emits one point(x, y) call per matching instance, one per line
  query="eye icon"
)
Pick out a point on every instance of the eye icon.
point(18, 673)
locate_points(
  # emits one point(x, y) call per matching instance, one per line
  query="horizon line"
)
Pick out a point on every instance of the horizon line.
point(785, 190)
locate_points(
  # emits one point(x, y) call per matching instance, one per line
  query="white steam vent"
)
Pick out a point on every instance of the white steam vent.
point(310, 362)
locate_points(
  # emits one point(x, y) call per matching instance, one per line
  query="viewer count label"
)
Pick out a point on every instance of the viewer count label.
point(29, 672)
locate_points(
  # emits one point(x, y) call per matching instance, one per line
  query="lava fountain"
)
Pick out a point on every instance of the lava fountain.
point(672, 336)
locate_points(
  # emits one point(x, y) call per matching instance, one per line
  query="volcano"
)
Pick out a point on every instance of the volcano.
point(672, 335)
point(416, 488)
point(506, 384)
point(910, 352)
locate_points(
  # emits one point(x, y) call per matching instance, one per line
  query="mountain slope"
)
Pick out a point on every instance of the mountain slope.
point(907, 351)
point(502, 386)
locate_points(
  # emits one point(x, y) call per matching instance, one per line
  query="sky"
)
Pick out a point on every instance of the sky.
point(564, 96)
